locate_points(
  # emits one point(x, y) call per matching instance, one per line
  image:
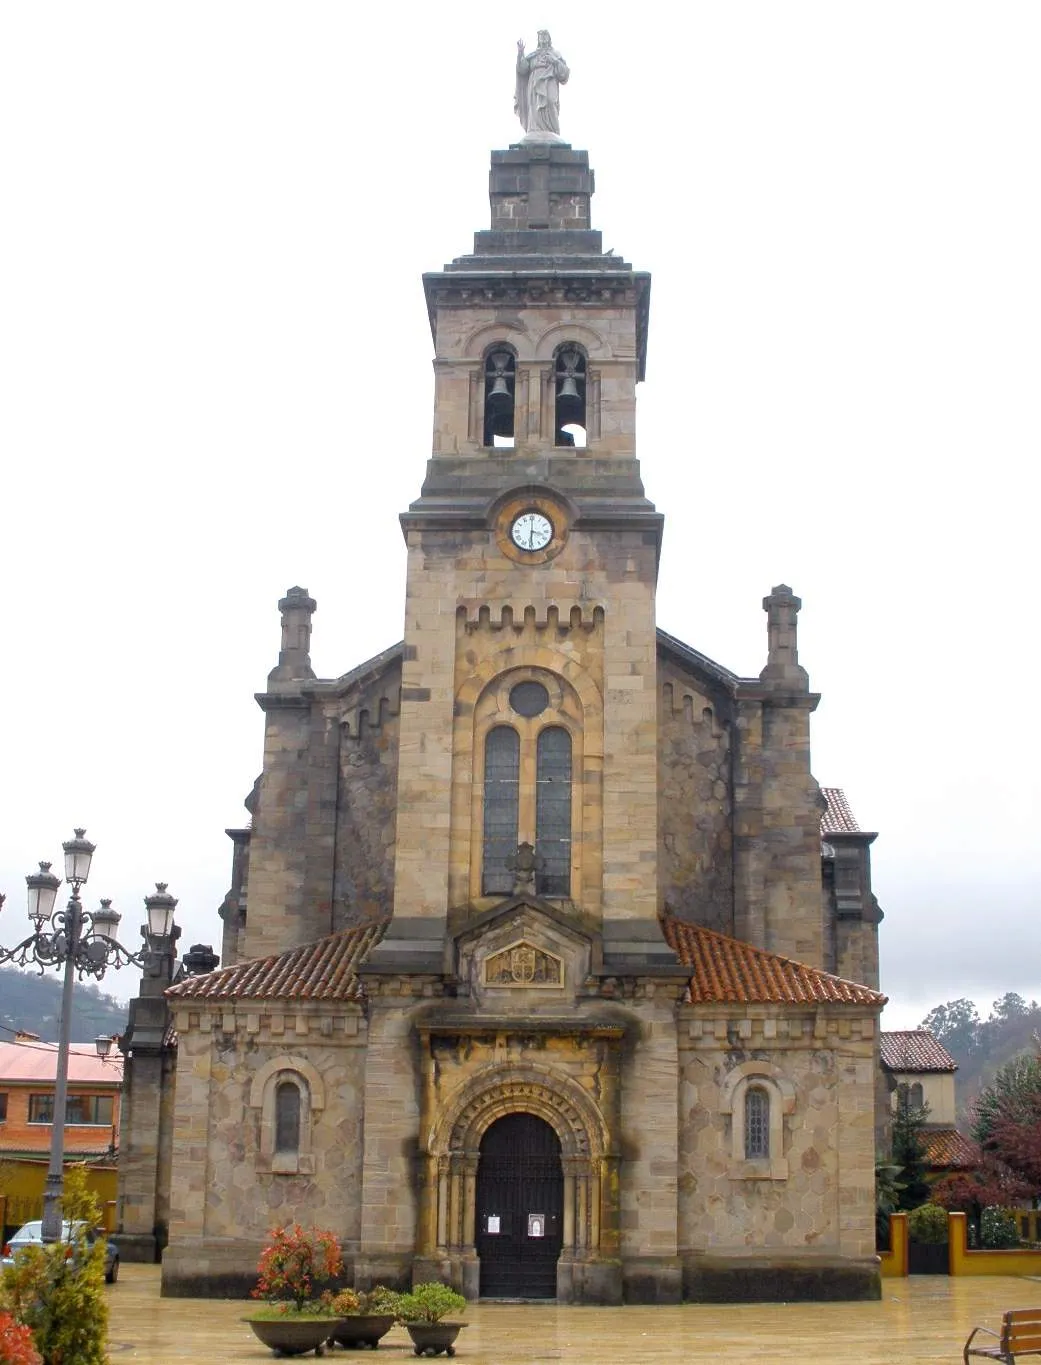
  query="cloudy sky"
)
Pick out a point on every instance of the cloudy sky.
point(215, 382)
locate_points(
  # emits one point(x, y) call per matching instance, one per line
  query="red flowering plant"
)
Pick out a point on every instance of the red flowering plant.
point(293, 1266)
point(16, 1343)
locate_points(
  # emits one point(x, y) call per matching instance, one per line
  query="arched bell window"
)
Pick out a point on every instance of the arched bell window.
point(287, 1118)
point(500, 392)
point(569, 422)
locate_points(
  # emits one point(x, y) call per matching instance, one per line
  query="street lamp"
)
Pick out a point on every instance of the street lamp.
point(83, 942)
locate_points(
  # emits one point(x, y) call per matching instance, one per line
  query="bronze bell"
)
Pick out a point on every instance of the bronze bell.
point(568, 387)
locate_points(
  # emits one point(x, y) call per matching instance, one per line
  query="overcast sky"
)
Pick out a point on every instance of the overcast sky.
point(215, 382)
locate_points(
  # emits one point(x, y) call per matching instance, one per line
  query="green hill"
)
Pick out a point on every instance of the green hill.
point(32, 1002)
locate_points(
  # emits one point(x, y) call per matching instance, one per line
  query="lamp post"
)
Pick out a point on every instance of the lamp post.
point(81, 942)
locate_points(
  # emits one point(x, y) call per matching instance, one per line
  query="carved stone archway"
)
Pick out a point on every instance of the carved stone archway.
point(452, 1154)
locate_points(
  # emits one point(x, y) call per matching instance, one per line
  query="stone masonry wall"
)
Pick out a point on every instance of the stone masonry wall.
point(223, 1200)
point(695, 840)
point(367, 807)
point(822, 1205)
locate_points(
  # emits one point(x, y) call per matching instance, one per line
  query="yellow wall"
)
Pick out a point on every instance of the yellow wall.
point(21, 1198)
point(894, 1261)
point(962, 1261)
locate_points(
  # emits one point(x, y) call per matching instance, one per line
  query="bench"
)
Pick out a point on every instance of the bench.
point(1020, 1335)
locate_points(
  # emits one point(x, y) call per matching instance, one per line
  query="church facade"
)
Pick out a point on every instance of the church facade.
point(548, 968)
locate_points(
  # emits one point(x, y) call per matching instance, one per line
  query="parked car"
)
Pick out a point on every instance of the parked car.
point(31, 1234)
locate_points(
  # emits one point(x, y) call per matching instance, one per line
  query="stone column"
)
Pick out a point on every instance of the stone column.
point(793, 918)
point(146, 1110)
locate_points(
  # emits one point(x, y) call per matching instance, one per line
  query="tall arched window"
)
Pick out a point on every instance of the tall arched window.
point(917, 1095)
point(553, 813)
point(501, 809)
point(757, 1123)
point(287, 1118)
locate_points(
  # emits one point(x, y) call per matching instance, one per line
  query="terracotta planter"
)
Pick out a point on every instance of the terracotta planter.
point(360, 1330)
point(294, 1336)
point(434, 1338)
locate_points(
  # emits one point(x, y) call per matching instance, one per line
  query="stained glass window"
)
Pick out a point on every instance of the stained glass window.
point(553, 813)
point(757, 1124)
point(501, 800)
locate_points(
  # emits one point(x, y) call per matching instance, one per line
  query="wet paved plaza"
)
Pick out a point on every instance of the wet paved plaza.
point(924, 1318)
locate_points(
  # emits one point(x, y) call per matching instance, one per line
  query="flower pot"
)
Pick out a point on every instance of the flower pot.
point(294, 1336)
point(434, 1338)
point(360, 1330)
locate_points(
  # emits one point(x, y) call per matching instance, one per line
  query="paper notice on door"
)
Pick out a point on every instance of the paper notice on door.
point(536, 1225)
point(494, 1223)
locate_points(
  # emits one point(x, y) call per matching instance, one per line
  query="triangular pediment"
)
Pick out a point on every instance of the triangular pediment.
point(524, 944)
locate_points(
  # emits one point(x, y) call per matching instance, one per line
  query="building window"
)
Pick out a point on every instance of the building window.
point(287, 1118)
point(41, 1108)
point(755, 1097)
point(757, 1124)
point(3, 1107)
point(289, 1095)
point(89, 1109)
point(553, 813)
point(501, 808)
point(79, 1109)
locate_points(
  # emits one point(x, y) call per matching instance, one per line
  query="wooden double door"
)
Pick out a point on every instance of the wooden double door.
point(519, 1208)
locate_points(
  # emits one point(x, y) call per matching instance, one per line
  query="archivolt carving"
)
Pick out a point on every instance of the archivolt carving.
point(501, 1090)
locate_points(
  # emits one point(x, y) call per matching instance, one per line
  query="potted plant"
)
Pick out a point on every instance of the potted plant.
point(291, 1269)
point(363, 1316)
point(423, 1312)
point(927, 1240)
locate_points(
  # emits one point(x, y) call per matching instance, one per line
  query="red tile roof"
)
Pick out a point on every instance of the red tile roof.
point(914, 1050)
point(324, 970)
point(36, 1061)
point(948, 1148)
point(838, 818)
point(727, 970)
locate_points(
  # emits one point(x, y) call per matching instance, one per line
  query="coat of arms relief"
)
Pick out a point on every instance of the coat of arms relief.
point(522, 964)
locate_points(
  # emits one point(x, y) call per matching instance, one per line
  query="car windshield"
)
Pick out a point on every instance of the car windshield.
point(33, 1232)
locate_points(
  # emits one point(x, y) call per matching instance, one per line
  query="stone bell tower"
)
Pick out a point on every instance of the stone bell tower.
point(532, 553)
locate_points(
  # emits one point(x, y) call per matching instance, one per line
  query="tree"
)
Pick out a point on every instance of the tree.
point(909, 1153)
point(956, 1025)
point(1006, 1120)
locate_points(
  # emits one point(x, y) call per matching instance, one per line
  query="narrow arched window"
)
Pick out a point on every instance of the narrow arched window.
point(501, 808)
point(757, 1123)
point(500, 389)
point(917, 1095)
point(287, 1117)
point(553, 813)
point(570, 411)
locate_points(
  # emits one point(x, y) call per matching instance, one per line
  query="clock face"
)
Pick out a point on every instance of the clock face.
point(531, 531)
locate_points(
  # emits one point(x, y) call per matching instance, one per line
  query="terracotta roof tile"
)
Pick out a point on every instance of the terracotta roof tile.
point(914, 1050)
point(838, 818)
point(324, 970)
point(948, 1148)
point(727, 970)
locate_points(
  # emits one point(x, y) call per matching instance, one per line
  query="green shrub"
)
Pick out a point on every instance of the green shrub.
point(58, 1290)
point(429, 1303)
point(928, 1224)
point(998, 1229)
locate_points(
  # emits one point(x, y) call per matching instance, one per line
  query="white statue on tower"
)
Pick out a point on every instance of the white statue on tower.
point(537, 99)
